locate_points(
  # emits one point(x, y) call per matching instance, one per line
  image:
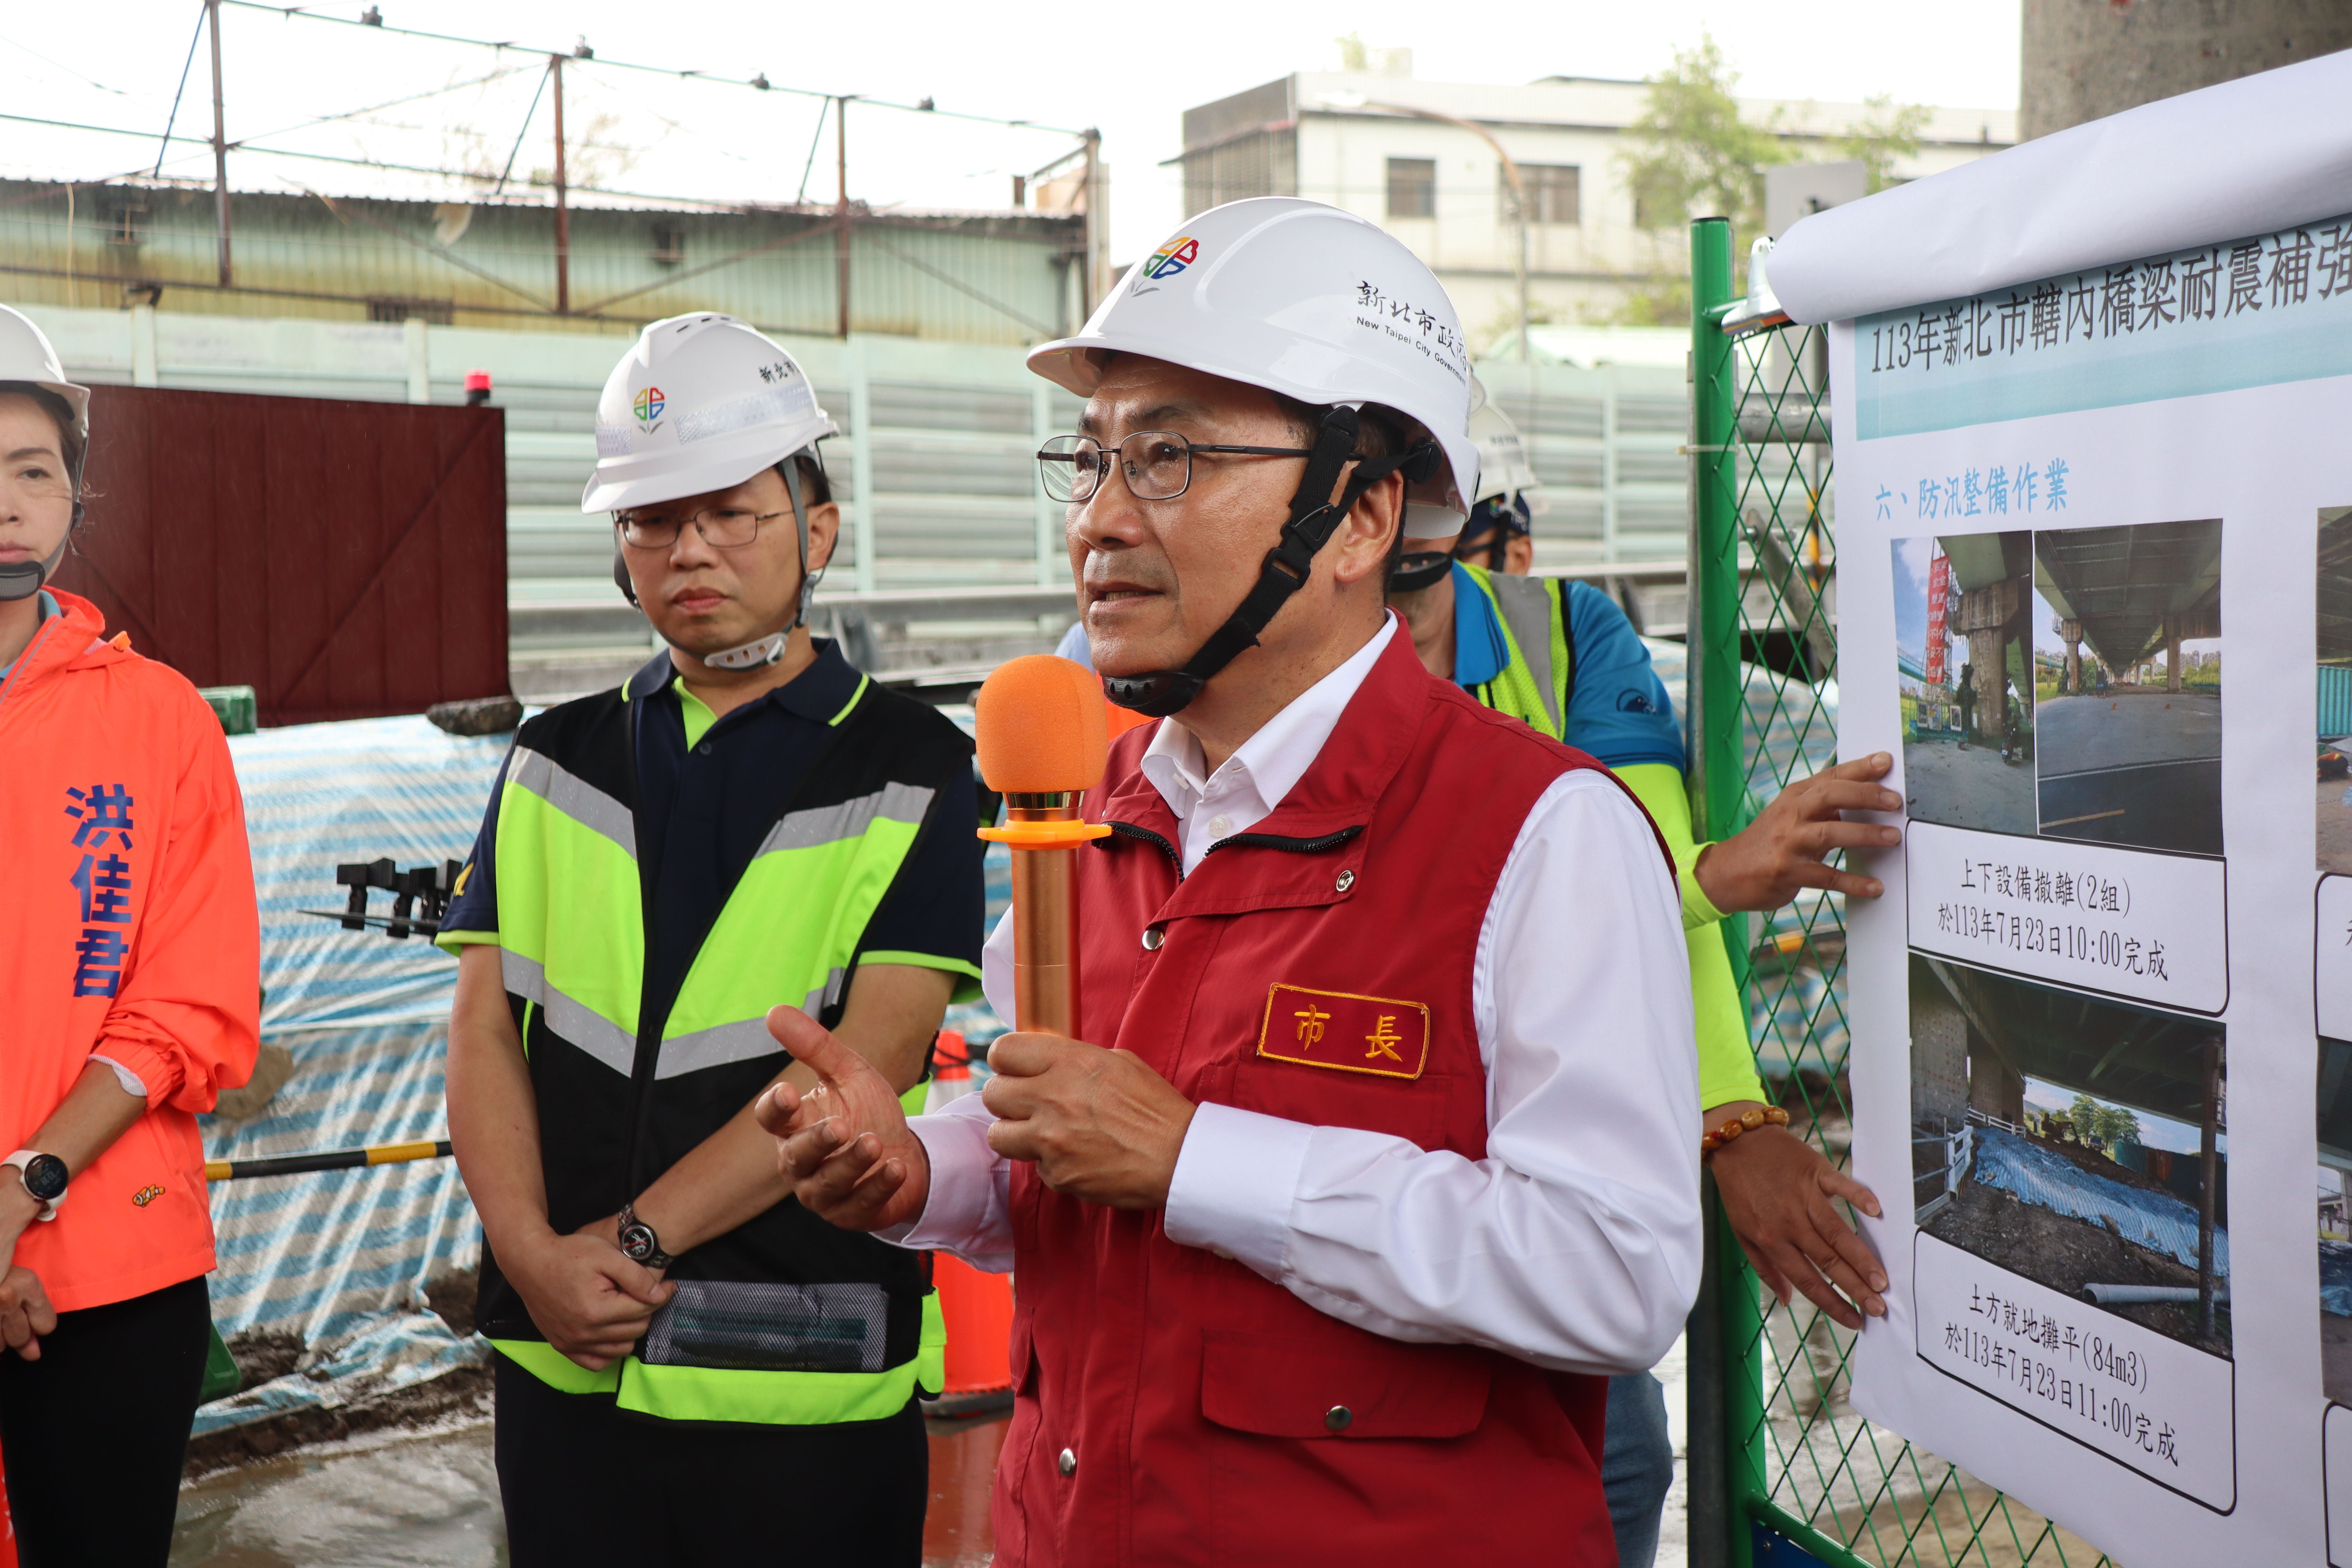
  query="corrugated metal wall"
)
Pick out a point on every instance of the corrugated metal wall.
point(343, 558)
point(2335, 702)
point(983, 279)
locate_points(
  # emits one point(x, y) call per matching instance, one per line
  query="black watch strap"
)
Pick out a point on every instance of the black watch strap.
point(638, 1242)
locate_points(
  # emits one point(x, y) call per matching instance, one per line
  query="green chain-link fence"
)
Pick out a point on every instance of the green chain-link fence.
point(1776, 1447)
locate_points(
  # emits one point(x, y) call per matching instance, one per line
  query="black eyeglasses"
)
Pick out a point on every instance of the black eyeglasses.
point(1156, 464)
point(727, 527)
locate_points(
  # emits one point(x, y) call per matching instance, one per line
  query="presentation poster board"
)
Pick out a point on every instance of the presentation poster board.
point(2095, 597)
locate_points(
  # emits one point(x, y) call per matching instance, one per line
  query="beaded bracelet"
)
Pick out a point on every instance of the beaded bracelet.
point(1745, 1121)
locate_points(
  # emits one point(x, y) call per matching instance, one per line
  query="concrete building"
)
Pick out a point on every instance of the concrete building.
point(1420, 159)
point(2087, 58)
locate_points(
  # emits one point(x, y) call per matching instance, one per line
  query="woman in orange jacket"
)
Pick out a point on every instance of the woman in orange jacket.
point(130, 956)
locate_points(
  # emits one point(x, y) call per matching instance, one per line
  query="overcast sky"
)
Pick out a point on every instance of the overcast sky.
point(1132, 70)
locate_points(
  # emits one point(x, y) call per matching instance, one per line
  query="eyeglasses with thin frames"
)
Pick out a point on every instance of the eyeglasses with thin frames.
point(724, 527)
point(1156, 464)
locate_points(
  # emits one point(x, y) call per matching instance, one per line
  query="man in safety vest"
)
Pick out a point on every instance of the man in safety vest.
point(1379, 1153)
point(748, 820)
point(1560, 654)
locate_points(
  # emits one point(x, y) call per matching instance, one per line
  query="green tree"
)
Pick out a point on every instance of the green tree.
point(1693, 156)
point(2117, 1125)
point(1890, 130)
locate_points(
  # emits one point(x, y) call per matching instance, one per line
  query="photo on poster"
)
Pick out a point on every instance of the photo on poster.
point(2076, 1143)
point(2127, 663)
point(2335, 649)
point(2334, 1194)
point(1962, 657)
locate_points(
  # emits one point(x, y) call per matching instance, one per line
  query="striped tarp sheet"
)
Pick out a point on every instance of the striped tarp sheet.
point(358, 1025)
point(2155, 1220)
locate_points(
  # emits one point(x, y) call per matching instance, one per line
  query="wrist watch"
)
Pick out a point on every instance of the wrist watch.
point(638, 1242)
point(44, 1176)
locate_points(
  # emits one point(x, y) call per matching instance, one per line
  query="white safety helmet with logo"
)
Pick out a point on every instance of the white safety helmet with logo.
point(1320, 306)
point(1504, 470)
point(702, 403)
point(26, 358)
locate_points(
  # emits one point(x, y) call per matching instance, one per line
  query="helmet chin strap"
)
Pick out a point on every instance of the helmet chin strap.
point(23, 579)
point(1419, 569)
point(759, 652)
point(1314, 518)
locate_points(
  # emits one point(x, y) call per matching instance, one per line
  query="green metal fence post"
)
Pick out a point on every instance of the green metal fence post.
point(1719, 773)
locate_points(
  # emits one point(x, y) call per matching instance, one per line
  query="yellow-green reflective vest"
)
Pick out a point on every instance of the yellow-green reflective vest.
point(785, 1319)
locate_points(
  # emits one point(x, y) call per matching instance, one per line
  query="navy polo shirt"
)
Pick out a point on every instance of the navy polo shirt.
point(708, 790)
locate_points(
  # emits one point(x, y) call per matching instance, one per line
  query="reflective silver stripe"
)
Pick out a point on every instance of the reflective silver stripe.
point(830, 824)
point(743, 1042)
point(581, 1026)
point(1527, 605)
point(826, 995)
point(576, 798)
point(745, 1325)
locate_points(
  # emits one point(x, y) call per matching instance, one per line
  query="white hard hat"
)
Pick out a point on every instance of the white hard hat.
point(1296, 296)
point(699, 402)
point(25, 355)
point(1503, 467)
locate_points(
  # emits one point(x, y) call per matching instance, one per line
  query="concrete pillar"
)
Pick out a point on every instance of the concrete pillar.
point(146, 369)
point(1988, 652)
point(1940, 1052)
point(2087, 58)
point(420, 363)
point(1993, 1088)
point(2071, 634)
point(2172, 653)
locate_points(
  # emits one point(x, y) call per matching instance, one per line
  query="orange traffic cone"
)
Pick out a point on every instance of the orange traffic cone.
point(7, 1524)
point(979, 1311)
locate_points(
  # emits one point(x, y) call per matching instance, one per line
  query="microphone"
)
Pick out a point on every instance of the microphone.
point(1042, 733)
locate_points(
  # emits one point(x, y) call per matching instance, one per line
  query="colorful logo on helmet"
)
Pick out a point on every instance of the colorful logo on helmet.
point(1172, 257)
point(649, 405)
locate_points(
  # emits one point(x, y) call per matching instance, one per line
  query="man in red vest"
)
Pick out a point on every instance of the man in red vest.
point(1378, 1151)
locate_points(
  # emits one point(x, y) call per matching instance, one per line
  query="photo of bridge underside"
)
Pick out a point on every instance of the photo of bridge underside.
point(2140, 761)
point(2333, 807)
point(1979, 773)
point(2335, 1234)
point(2100, 1212)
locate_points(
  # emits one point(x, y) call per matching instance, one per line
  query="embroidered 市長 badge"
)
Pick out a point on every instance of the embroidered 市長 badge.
point(1345, 1032)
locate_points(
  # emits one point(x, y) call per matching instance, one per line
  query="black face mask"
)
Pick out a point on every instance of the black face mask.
point(1314, 518)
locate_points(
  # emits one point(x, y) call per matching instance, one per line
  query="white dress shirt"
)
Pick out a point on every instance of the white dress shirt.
point(1575, 1244)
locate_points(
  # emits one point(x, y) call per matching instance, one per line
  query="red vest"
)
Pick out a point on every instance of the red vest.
point(1317, 968)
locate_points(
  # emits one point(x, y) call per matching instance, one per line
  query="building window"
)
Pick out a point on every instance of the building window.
point(1551, 190)
point(1413, 188)
point(669, 243)
point(434, 312)
point(126, 224)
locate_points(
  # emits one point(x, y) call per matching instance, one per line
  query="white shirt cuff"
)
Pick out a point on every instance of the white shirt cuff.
point(130, 1081)
point(1235, 1178)
point(956, 1213)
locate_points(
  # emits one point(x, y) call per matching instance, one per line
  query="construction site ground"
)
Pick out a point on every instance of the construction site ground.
point(2135, 766)
point(1967, 788)
point(2335, 821)
point(2066, 1254)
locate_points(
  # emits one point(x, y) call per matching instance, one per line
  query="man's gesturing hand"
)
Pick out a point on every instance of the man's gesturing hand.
point(1787, 847)
point(1100, 1125)
point(844, 1146)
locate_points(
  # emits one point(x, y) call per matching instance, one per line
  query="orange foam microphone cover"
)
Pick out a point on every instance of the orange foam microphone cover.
point(1042, 727)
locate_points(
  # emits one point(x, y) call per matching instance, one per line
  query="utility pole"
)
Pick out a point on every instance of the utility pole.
point(220, 149)
point(562, 208)
point(841, 208)
point(1096, 285)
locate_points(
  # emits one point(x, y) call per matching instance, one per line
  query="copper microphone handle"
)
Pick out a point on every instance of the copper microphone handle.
point(1045, 923)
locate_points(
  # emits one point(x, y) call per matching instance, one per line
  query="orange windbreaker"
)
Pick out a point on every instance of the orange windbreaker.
point(127, 928)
